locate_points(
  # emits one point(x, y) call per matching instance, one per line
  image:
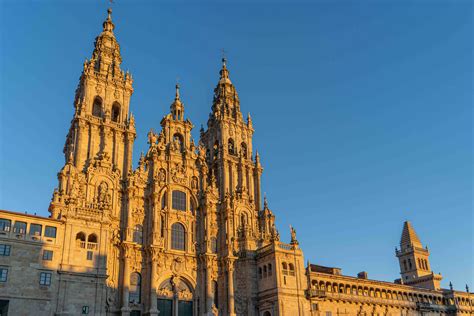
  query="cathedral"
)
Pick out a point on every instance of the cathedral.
point(186, 232)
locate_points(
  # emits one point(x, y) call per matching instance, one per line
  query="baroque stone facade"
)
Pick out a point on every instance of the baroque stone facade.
point(184, 233)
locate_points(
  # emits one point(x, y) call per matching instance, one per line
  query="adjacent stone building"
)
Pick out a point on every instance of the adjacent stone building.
point(184, 233)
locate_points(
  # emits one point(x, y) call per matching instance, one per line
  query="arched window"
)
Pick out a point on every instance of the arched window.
point(135, 288)
point(81, 240)
point(178, 237)
point(213, 244)
point(260, 274)
point(92, 238)
point(92, 242)
point(270, 269)
point(179, 200)
point(231, 146)
point(115, 112)
point(405, 265)
point(409, 263)
point(97, 107)
point(243, 150)
point(138, 234)
point(284, 267)
point(164, 200)
point(292, 269)
point(265, 271)
point(267, 313)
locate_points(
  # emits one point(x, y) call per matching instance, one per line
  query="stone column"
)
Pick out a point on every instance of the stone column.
point(209, 294)
point(230, 286)
point(126, 287)
point(153, 298)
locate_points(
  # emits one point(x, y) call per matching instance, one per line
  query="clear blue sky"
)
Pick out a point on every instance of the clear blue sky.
point(362, 110)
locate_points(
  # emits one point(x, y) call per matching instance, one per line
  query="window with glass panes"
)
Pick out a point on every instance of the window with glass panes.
point(3, 274)
point(47, 255)
point(19, 227)
point(35, 229)
point(50, 232)
point(5, 250)
point(178, 236)
point(45, 278)
point(5, 225)
point(179, 200)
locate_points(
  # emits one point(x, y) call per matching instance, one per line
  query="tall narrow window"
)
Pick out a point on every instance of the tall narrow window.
point(135, 287)
point(179, 200)
point(97, 107)
point(162, 226)
point(81, 240)
point(215, 290)
point(178, 236)
point(292, 269)
point(231, 147)
point(138, 234)
point(243, 150)
point(270, 269)
point(5, 250)
point(3, 274)
point(115, 112)
point(163, 200)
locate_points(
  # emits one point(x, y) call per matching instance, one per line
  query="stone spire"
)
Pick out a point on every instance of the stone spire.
point(226, 102)
point(106, 58)
point(177, 107)
point(409, 236)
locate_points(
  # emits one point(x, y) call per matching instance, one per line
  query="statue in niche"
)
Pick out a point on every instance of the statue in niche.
point(162, 175)
point(194, 183)
point(103, 196)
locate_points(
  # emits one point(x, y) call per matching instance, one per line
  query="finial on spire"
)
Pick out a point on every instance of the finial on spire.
point(177, 91)
point(108, 25)
point(467, 288)
point(265, 202)
point(450, 285)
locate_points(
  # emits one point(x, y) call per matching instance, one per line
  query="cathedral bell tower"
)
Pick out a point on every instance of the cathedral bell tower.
point(102, 132)
point(102, 124)
point(414, 261)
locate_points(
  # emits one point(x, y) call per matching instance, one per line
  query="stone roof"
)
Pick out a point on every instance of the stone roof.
point(409, 236)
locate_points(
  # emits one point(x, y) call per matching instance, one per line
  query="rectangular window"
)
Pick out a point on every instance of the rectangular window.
point(179, 201)
point(3, 274)
point(5, 225)
point(19, 228)
point(35, 229)
point(50, 232)
point(45, 278)
point(5, 250)
point(90, 255)
point(47, 255)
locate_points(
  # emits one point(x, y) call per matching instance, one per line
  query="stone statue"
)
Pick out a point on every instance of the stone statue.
point(293, 235)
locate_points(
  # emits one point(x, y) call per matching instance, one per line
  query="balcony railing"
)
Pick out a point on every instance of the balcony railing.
point(316, 293)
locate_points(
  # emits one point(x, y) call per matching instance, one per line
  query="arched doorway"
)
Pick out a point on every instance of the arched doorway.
point(175, 297)
point(267, 313)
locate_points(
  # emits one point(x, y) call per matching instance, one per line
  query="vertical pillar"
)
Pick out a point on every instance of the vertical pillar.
point(209, 294)
point(125, 310)
point(153, 298)
point(230, 286)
